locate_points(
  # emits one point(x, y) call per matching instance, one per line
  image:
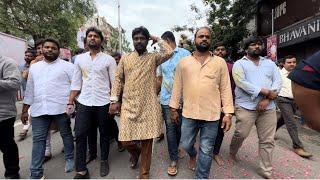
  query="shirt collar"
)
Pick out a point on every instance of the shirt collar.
point(98, 54)
point(284, 71)
point(260, 58)
point(53, 62)
point(137, 54)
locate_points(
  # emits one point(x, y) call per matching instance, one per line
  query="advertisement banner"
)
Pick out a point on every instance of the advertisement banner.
point(272, 47)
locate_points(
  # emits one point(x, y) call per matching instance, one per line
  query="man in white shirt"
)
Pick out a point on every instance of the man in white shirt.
point(47, 91)
point(94, 73)
point(288, 107)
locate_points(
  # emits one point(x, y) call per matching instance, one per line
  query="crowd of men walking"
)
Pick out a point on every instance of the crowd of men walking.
point(200, 92)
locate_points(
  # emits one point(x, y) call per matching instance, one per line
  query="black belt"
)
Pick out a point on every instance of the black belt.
point(291, 99)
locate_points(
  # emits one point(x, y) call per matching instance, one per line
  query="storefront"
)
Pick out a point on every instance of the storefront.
point(296, 25)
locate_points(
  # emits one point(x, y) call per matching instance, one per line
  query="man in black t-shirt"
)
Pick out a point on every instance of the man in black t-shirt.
point(306, 89)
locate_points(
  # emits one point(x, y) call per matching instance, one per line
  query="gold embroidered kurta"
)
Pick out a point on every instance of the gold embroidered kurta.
point(135, 87)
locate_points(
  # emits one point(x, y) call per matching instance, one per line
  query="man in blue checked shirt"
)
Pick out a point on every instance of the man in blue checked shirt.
point(258, 83)
point(166, 71)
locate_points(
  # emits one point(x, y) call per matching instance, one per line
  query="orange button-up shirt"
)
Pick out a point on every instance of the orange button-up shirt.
point(203, 88)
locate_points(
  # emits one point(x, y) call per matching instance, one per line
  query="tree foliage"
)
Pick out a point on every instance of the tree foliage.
point(112, 44)
point(229, 20)
point(34, 19)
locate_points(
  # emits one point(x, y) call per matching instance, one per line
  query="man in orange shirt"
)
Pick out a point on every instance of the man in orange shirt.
point(202, 82)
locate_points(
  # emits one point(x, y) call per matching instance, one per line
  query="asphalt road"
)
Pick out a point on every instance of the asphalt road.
point(286, 163)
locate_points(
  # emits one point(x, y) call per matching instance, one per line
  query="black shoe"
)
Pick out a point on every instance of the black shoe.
point(80, 176)
point(17, 176)
point(91, 158)
point(104, 168)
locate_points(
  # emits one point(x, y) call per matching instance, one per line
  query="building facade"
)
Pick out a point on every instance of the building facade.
point(296, 24)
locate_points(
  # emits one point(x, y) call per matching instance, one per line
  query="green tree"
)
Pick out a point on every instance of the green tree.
point(112, 44)
point(186, 43)
point(34, 19)
point(229, 20)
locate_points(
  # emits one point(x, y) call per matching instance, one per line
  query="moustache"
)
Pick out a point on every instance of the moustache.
point(139, 45)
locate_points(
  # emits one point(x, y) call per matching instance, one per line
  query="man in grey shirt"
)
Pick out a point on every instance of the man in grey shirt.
point(10, 82)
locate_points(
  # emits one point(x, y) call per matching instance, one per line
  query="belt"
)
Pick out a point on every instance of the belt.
point(291, 99)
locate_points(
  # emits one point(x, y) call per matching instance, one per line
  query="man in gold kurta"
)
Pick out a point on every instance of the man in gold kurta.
point(134, 90)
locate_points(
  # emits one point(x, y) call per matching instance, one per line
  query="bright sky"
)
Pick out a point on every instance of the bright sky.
point(157, 16)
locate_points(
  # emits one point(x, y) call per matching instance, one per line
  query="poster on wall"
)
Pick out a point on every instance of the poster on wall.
point(272, 47)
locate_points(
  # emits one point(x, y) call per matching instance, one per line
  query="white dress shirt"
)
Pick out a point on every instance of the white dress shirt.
point(286, 90)
point(48, 87)
point(94, 77)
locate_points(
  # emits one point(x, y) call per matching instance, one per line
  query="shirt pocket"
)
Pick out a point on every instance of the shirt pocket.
point(210, 76)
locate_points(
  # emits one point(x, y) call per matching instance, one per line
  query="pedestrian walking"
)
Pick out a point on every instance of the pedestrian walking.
point(134, 91)
point(202, 83)
point(258, 83)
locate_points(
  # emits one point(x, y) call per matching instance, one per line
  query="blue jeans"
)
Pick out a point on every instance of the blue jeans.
point(208, 133)
point(40, 129)
point(173, 132)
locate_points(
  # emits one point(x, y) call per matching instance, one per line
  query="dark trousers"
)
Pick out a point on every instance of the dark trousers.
point(93, 133)
point(146, 151)
point(9, 148)
point(92, 139)
point(114, 132)
point(86, 115)
point(219, 138)
point(288, 109)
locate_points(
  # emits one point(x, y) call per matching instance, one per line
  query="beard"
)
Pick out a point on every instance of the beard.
point(94, 46)
point(255, 53)
point(51, 57)
point(202, 48)
point(140, 48)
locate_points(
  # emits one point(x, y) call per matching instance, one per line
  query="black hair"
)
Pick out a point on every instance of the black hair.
point(218, 44)
point(141, 30)
point(289, 57)
point(85, 40)
point(251, 39)
point(38, 42)
point(115, 54)
point(53, 41)
point(96, 30)
point(79, 51)
point(204, 27)
point(31, 51)
point(168, 35)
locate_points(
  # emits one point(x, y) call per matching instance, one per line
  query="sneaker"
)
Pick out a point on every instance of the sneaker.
point(69, 165)
point(104, 168)
point(301, 152)
point(82, 176)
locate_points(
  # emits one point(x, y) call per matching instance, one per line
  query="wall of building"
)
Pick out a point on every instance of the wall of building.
point(296, 24)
